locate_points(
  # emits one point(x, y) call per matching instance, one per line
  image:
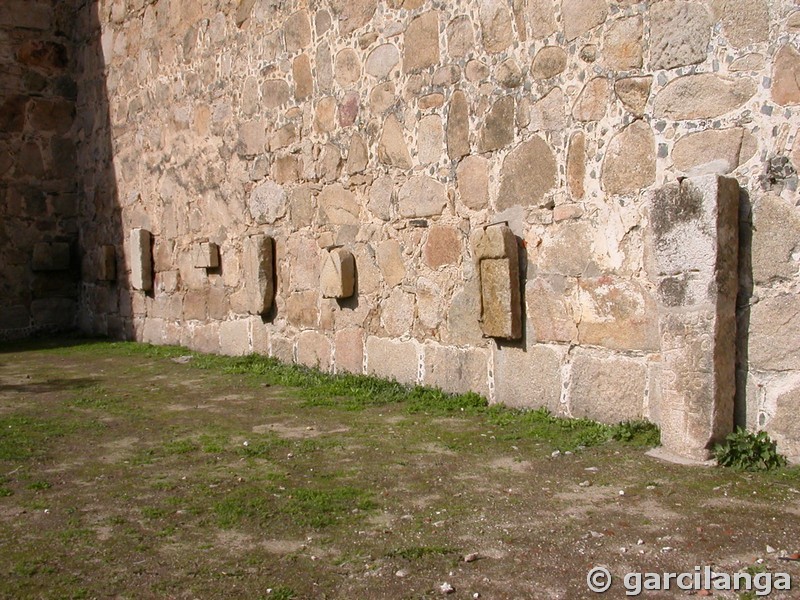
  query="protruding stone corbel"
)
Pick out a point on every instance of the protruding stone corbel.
point(258, 269)
point(337, 279)
point(501, 299)
point(141, 256)
point(205, 255)
point(107, 263)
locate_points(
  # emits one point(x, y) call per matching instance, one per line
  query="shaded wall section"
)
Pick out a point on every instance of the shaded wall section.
point(39, 188)
point(106, 307)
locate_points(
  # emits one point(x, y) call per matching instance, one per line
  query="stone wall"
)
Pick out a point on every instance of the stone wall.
point(399, 130)
point(39, 193)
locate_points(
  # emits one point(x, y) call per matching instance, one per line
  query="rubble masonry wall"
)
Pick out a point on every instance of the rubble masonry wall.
point(399, 130)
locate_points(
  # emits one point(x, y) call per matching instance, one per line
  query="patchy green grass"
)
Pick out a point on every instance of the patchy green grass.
point(262, 445)
point(40, 485)
point(24, 437)
point(280, 592)
point(418, 552)
point(322, 508)
point(569, 434)
point(264, 506)
point(125, 473)
point(183, 446)
point(94, 397)
point(246, 505)
point(211, 443)
point(360, 392)
point(155, 512)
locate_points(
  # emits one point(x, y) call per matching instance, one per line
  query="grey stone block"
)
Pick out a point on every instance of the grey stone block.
point(56, 313)
point(234, 337)
point(607, 388)
point(392, 359)
point(528, 378)
point(314, 350)
point(784, 426)
point(106, 263)
point(50, 256)
point(27, 14)
point(206, 255)
point(501, 297)
point(141, 257)
point(693, 244)
point(774, 340)
point(457, 370)
point(257, 266)
point(15, 317)
point(337, 278)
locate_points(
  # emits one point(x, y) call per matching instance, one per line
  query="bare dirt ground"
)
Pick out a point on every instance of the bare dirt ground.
point(129, 472)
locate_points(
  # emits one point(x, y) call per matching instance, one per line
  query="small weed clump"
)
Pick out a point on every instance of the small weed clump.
point(281, 592)
point(745, 451)
point(637, 433)
point(418, 552)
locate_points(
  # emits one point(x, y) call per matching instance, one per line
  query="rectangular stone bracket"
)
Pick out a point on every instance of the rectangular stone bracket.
point(501, 299)
point(258, 269)
point(141, 257)
point(206, 255)
point(106, 263)
point(337, 278)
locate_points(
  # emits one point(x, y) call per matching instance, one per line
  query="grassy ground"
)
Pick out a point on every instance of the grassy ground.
point(140, 472)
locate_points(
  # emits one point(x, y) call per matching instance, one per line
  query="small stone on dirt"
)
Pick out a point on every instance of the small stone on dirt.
point(471, 557)
point(446, 588)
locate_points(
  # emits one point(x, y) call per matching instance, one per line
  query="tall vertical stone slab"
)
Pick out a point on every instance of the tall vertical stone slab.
point(501, 299)
point(693, 243)
point(257, 267)
point(141, 257)
point(106, 263)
